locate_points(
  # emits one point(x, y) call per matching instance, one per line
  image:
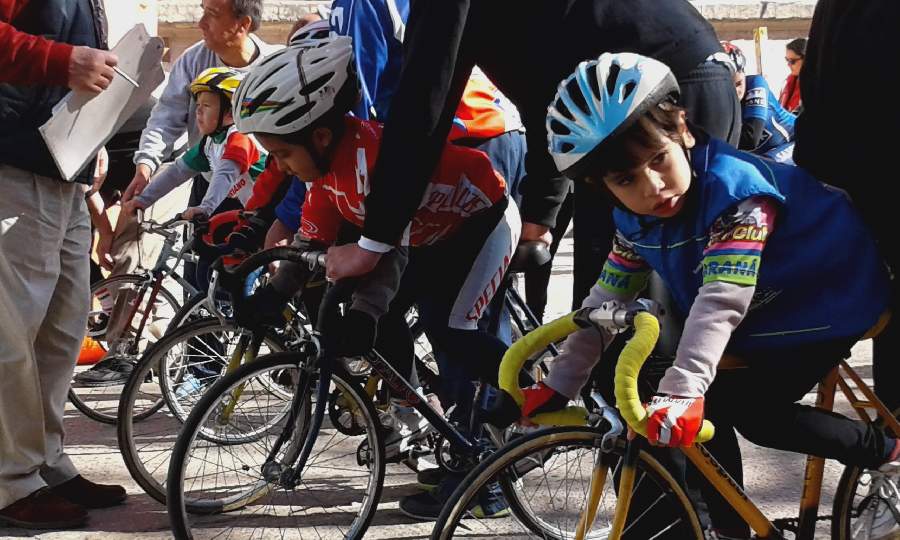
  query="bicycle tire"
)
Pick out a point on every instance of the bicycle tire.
point(143, 448)
point(508, 468)
point(245, 503)
point(844, 507)
point(99, 411)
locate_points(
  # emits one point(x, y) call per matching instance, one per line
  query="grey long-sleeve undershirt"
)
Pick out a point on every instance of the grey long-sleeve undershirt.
point(717, 311)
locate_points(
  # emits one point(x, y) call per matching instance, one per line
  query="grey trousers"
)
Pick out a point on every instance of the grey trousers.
point(44, 301)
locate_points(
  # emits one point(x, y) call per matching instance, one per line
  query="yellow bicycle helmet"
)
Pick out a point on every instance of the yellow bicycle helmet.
point(220, 80)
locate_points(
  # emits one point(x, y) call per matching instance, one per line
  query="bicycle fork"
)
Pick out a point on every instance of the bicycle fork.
point(240, 353)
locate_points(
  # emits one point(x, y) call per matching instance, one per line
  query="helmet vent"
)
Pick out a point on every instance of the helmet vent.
point(612, 78)
point(594, 80)
point(628, 89)
point(566, 147)
point(314, 85)
point(269, 75)
point(271, 58)
point(577, 96)
point(557, 127)
point(295, 114)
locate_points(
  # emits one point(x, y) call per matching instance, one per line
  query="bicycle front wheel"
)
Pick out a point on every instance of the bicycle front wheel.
point(546, 478)
point(251, 487)
point(175, 370)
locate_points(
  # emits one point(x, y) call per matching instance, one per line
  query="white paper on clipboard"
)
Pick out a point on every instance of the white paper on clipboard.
point(82, 123)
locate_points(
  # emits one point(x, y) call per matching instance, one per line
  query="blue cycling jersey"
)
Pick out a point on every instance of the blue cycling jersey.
point(376, 27)
point(760, 103)
point(289, 209)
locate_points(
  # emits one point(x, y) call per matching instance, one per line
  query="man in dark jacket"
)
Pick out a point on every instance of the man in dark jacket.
point(526, 49)
point(46, 48)
point(842, 147)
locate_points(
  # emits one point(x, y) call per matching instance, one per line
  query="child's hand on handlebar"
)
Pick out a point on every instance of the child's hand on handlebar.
point(193, 212)
point(674, 421)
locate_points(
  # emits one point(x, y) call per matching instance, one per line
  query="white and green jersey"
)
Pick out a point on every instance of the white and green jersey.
point(229, 160)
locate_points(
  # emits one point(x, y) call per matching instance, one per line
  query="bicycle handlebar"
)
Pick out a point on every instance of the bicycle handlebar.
point(612, 316)
point(520, 351)
point(235, 280)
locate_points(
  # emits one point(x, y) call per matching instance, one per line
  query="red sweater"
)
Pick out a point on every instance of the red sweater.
point(28, 59)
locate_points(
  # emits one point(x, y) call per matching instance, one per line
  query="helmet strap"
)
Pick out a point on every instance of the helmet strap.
point(223, 103)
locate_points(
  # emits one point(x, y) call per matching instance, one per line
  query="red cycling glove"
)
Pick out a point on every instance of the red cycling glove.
point(674, 421)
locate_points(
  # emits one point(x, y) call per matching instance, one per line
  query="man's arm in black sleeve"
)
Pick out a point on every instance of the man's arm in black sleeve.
point(436, 67)
point(751, 133)
point(543, 189)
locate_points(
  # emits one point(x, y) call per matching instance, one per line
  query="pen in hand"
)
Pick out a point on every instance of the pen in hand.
point(126, 77)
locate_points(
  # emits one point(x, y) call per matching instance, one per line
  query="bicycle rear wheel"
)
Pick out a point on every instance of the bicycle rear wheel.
point(146, 434)
point(339, 487)
point(546, 477)
point(100, 401)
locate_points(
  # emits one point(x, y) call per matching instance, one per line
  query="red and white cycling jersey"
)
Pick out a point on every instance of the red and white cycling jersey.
point(463, 183)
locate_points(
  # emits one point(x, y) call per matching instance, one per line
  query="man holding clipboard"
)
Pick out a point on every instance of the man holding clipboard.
point(46, 48)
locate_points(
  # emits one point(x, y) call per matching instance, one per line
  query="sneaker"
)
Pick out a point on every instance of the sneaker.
point(880, 509)
point(43, 509)
point(189, 386)
point(429, 479)
point(427, 506)
point(405, 427)
point(111, 371)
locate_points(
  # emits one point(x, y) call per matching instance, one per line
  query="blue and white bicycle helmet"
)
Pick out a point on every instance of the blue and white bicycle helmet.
point(601, 100)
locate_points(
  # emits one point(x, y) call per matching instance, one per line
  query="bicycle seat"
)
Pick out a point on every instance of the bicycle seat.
point(529, 256)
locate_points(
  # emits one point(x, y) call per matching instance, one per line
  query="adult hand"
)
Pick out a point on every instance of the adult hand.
point(138, 183)
point(674, 421)
point(191, 212)
point(131, 207)
point(349, 260)
point(91, 70)
point(101, 168)
point(532, 232)
point(104, 248)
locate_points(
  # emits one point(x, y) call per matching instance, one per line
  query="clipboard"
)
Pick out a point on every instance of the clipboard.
point(82, 123)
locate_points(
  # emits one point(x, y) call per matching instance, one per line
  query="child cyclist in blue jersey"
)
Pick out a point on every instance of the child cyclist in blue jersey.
point(765, 261)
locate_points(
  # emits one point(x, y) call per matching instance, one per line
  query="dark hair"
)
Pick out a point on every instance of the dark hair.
point(249, 8)
point(648, 132)
point(798, 46)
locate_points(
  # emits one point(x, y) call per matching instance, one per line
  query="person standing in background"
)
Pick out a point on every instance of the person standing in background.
point(794, 54)
point(844, 149)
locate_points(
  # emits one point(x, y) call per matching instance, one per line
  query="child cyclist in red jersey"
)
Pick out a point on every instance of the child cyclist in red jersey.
point(459, 241)
point(765, 261)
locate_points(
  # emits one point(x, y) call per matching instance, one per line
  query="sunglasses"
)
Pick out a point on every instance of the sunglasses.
point(792, 61)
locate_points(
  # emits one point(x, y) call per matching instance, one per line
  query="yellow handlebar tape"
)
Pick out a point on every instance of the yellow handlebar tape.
point(523, 349)
point(633, 356)
point(532, 342)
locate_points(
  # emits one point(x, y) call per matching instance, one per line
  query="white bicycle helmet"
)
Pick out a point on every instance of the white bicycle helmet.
point(600, 100)
point(313, 31)
point(296, 86)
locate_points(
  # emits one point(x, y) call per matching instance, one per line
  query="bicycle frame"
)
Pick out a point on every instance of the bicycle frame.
point(613, 317)
point(161, 269)
point(812, 483)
